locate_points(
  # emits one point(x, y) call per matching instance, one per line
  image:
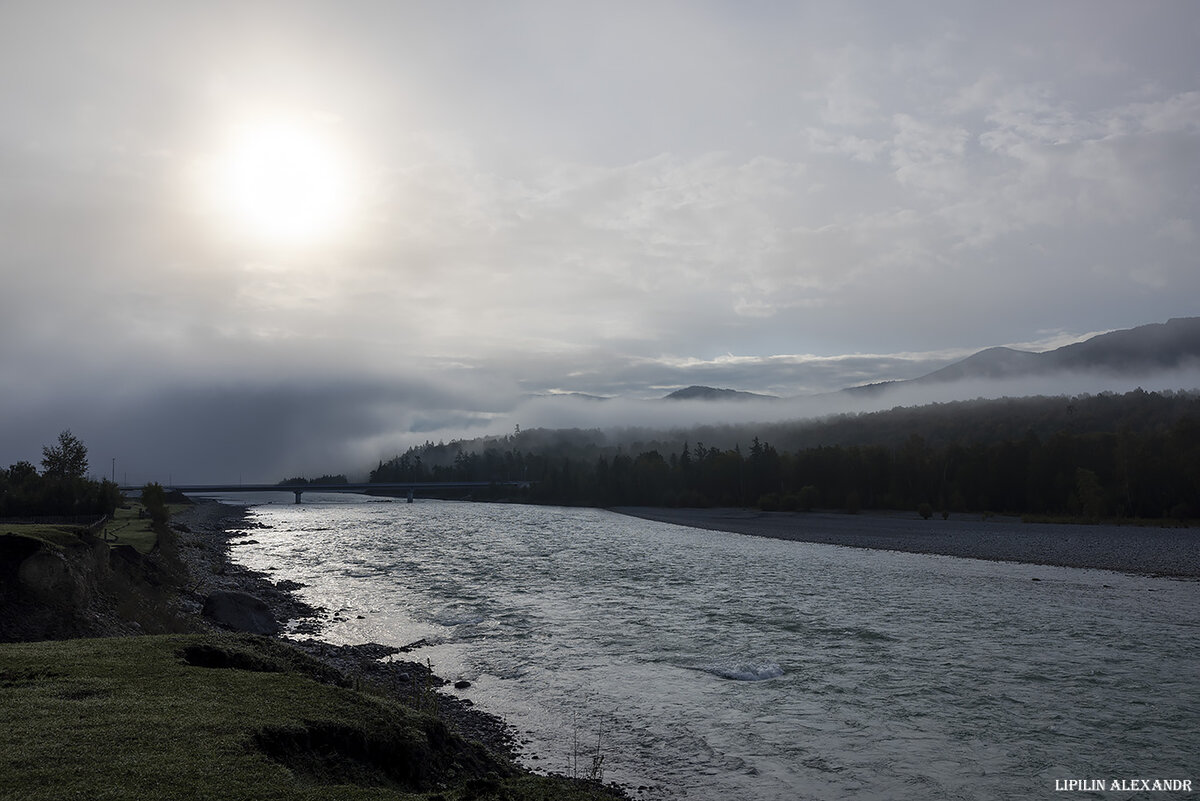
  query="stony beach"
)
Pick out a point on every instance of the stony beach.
point(1130, 549)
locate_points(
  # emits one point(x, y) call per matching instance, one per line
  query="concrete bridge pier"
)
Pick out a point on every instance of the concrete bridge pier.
point(297, 492)
point(410, 495)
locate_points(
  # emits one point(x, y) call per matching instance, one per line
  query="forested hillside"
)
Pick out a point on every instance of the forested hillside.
point(1094, 457)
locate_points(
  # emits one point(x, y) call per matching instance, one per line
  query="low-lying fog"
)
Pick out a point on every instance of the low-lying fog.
point(268, 432)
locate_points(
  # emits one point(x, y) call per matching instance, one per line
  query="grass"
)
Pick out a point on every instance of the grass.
point(128, 526)
point(58, 536)
point(132, 526)
point(149, 718)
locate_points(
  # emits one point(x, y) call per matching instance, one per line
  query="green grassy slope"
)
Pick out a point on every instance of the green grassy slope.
point(225, 717)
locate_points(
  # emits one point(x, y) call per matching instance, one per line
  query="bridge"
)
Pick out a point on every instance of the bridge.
point(299, 489)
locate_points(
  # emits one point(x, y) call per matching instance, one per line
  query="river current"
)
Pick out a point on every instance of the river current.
point(708, 665)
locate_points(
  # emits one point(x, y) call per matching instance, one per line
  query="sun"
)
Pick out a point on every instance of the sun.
point(283, 183)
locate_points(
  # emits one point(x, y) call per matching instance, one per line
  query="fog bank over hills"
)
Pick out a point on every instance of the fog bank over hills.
point(201, 431)
point(1156, 357)
point(1151, 353)
point(551, 412)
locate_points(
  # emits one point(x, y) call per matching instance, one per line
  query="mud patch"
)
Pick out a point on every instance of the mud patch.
point(260, 655)
point(208, 655)
point(412, 757)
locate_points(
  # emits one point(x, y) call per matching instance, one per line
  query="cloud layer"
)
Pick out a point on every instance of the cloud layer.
point(617, 199)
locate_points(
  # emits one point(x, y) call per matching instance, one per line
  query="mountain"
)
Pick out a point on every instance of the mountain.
point(1161, 346)
point(990, 363)
point(1130, 352)
point(577, 395)
point(710, 393)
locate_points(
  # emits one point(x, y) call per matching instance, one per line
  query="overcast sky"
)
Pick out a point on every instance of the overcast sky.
point(528, 197)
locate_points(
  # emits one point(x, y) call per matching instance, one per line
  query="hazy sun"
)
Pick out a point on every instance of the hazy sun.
point(282, 183)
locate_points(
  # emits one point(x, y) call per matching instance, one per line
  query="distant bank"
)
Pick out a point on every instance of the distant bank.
point(1131, 549)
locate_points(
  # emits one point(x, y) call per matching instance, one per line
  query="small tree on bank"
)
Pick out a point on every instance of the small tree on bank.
point(154, 498)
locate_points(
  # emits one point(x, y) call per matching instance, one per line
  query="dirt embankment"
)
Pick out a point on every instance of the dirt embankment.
point(88, 588)
point(82, 586)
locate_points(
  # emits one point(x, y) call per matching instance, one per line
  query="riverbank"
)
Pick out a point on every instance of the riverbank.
point(1145, 550)
point(205, 532)
point(144, 697)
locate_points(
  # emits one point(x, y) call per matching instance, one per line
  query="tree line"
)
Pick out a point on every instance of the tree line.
point(1105, 456)
point(60, 489)
point(301, 481)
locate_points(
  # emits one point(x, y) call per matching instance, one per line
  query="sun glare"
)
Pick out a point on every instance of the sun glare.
point(283, 184)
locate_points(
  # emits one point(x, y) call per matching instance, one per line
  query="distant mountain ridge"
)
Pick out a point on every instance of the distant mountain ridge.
point(579, 395)
point(1129, 352)
point(999, 362)
point(1167, 345)
point(711, 393)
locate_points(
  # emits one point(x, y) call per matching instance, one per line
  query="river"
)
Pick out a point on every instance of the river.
point(707, 665)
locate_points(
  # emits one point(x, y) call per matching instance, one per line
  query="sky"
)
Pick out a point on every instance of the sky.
point(274, 238)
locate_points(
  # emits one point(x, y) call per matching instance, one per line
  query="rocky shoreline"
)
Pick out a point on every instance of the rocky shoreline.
point(205, 531)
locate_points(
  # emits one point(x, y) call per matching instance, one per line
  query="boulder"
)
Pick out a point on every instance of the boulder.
point(46, 576)
point(240, 611)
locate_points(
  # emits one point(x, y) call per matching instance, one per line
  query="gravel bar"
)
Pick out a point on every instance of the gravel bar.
point(1130, 549)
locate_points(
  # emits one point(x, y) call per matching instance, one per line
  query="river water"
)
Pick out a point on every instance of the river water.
point(707, 665)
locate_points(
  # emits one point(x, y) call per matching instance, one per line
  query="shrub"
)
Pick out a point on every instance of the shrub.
point(809, 497)
point(154, 498)
point(769, 502)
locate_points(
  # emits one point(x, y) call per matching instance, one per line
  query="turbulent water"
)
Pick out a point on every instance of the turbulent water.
point(707, 665)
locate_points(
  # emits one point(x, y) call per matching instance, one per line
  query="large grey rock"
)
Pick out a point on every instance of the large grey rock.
point(239, 611)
